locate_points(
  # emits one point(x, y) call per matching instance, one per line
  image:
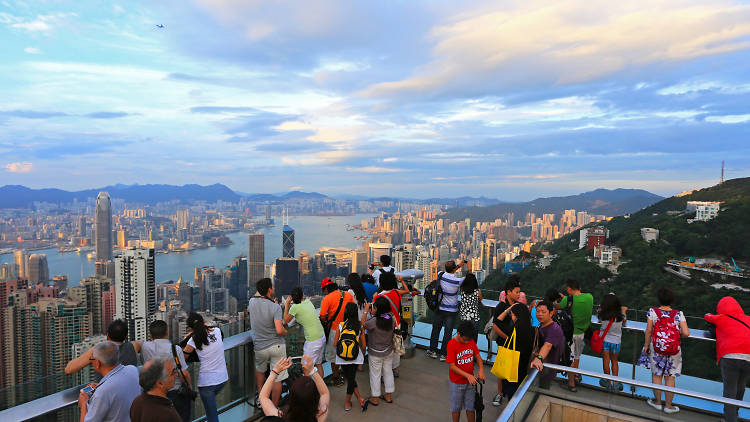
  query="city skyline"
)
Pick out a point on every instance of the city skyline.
point(351, 98)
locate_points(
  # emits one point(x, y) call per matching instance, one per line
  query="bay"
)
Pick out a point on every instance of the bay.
point(311, 233)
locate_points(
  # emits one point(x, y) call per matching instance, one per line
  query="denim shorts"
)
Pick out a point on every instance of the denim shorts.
point(613, 348)
point(462, 397)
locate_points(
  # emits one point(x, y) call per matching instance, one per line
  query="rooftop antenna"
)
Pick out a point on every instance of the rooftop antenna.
point(722, 172)
point(285, 217)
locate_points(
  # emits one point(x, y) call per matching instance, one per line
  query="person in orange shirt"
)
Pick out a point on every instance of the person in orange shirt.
point(331, 315)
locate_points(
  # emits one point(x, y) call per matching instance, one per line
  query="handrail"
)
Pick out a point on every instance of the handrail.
point(518, 396)
point(61, 399)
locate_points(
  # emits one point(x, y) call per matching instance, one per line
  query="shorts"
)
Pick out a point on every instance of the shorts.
point(331, 348)
point(462, 397)
point(315, 349)
point(613, 348)
point(269, 357)
point(576, 349)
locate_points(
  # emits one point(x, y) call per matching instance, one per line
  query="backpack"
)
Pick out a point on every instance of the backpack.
point(348, 346)
point(564, 318)
point(433, 293)
point(666, 334)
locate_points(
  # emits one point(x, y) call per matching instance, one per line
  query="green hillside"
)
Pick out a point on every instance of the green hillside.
point(642, 274)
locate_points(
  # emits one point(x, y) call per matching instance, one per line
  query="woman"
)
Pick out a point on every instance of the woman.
point(668, 323)
point(207, 343)
point(349, 367)
point(471, 298)
point(732, 350)
point(611, 309)
point(391, 291)
point(357, 290)
point(379, 322)
point(306, 315)
point(308, 395)
point(521, 317)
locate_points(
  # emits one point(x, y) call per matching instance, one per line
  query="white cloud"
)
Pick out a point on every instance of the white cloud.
point(18, 167)
point(32, 50)
point(729, 118)
point(518, 44)
point(374, 169)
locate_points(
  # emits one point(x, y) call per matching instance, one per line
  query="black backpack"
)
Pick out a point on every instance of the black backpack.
point(564, 318)
point(433, 293)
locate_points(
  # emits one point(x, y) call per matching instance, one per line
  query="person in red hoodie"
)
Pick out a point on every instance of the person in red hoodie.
point(732, 350)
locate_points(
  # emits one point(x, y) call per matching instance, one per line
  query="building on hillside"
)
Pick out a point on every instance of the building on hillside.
point(648, 234)
point(704, 210)
point(608, 255)
point(596, 236)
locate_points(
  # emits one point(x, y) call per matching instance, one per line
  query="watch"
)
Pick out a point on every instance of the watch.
point(315, 369)
point(540, 357)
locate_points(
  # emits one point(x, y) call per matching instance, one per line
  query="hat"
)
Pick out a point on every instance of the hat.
point(326, 281)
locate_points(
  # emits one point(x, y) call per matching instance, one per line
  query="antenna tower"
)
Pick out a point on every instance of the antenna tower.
point(722, 172)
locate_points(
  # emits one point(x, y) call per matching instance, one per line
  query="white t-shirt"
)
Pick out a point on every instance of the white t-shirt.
point(213, 369)
point(376, 273)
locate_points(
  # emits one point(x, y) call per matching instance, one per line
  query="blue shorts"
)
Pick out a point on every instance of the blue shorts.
point(462, 397)
point(613, 348)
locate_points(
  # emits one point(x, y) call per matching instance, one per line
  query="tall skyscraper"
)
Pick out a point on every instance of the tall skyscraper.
point(287, 239)
point(359, 261)
point(183, 219)
point(255, 260)
point(95, 289)
point(238, 282)
point(38, 269)
point(404, 257)
point(287, 276)
point(103, 227)
point(135, 290)
point(21, 261)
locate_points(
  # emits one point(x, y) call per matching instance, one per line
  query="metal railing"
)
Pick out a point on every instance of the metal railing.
point(69, 397)
point(523, 389)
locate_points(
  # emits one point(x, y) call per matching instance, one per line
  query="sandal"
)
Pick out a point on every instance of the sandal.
point(364, 405)
point(387, 401)
point(372, 402)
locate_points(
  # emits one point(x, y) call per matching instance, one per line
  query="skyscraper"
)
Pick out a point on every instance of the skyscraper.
point(103, 227)
point(287, 276)
point(95, 289)
point(135, 290)
point(287, 238)
point(21, 261)
point(183, 219)
point(38, 269)
point(255, 260)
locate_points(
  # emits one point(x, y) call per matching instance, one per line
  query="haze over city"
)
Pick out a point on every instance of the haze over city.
point(413, 99)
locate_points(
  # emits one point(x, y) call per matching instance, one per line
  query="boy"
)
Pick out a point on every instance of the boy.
point(462, 351)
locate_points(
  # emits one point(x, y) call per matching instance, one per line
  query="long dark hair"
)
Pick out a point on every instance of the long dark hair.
point(200, 332)
point(355, 283)
point(524, 337)
point(383, 316)
point(351, 317)
point(470, 284)
point(296, 295)
point(611, 307)
point(304, 399)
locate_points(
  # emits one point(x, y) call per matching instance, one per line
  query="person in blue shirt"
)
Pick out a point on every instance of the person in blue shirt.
point(368, 282)
point(112, 396)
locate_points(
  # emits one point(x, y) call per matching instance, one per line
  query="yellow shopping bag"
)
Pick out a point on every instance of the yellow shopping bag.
point(506, 362)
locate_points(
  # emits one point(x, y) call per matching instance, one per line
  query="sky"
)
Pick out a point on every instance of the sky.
point(509, 99)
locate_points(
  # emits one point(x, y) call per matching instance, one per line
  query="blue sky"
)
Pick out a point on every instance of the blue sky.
point(510, 99)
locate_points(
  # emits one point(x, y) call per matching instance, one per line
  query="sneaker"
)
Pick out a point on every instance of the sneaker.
point(674, 409)
point(443, 358)
point(498, 400)
point(604, 383)
point(431, 354)
point(339, 382)
point(653, 404)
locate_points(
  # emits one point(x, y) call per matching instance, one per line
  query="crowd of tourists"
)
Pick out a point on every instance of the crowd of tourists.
point(361, 325)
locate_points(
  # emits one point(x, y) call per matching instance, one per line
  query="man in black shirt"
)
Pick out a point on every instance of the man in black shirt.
point(503, 324)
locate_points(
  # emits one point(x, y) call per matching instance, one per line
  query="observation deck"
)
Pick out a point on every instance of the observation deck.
point(422, 388)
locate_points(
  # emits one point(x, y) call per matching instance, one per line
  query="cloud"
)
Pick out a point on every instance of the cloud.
point(730, 119)
point(18, 167)
point(375, 169)
point(514, 45)
point(32, 50)
point(107, 115)
point(32, 114)
point(223, 110)
point(42, 23)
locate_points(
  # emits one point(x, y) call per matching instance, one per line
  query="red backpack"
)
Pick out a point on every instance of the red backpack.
point(666, 334)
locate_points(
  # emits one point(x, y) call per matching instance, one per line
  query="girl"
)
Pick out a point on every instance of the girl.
point(352, 322)
point(471, 297)
point(380, 349)
point(611, 309)
point(213, 375)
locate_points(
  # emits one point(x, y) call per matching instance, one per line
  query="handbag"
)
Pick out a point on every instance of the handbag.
point(184, 389)
point(597, 339)
point(489, 332)
point(507, 360)
point(398, 336)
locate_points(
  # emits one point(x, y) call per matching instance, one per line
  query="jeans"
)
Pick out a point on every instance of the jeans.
point(735, 374)
point(442, 318)
point(181, 404)
point(381, 367)
point(208, 397)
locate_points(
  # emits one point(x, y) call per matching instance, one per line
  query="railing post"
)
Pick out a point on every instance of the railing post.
point(635, 361)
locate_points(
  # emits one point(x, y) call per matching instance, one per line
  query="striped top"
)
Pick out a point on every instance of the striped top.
point(450, 285)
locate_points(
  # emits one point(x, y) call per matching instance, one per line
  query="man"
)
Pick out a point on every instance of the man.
point(331, 315)
point(161, 348)
point(111, 397)
point(157, 377)
point(503, 323)
point(552, 340)
point(446, 314)
point(267, 322)
point(581, 310)
point(385, 262)
point(117, 332)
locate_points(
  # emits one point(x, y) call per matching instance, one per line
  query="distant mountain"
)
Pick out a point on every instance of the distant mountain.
point(601, 201)
point(15, 196)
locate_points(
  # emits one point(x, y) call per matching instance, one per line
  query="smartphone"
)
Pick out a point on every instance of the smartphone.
point(296, 358)
point(88, 390)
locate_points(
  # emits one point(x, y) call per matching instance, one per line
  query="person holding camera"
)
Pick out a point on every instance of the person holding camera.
point(448, 310)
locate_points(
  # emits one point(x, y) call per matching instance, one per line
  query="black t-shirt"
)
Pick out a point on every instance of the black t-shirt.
point(506, 326)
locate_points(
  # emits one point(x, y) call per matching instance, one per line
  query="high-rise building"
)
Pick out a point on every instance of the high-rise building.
point(38, 269)
point(109, 307)
point(359, 261)
point(87, 374)
point(218, 300)
point(287, 242)
point(103, 227)
point(238, 281)
point(21, 261)
point(378, 249)
point(95, 288)
point(404, 257)
point(255, 260)
point(8, 272)
point(122, 239)
point(135, 290)
point(105, 269)
point(287, 276)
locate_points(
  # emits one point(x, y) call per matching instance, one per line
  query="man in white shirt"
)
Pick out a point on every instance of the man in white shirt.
point(385, 261)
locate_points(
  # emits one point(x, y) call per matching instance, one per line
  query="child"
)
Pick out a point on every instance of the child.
point(350, 324)
point(611, 309)
point(462, 351)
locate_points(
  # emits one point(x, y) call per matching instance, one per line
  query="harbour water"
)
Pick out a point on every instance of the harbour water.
point(311, 233)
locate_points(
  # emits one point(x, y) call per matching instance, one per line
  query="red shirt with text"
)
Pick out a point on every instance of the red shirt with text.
point(462, 354)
